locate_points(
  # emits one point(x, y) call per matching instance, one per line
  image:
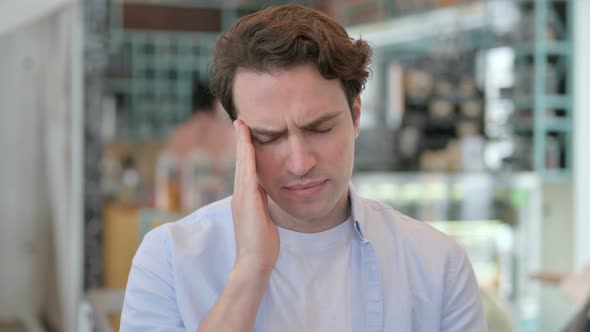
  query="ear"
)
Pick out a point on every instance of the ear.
point(356, 113)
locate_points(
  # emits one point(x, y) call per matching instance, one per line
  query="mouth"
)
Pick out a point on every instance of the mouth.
point(305, 185)
point(306, 189)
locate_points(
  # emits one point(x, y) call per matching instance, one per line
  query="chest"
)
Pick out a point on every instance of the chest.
point(310, 292)
point(346, 291)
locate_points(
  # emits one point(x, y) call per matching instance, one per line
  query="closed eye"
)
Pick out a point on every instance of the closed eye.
point(264, 141)
point(321, 131)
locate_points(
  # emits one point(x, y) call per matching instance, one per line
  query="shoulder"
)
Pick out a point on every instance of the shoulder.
point(177, 267)
point(204, 229)
point(414, 245)
point(434, 264)
point(385, 220)
point(214, 215)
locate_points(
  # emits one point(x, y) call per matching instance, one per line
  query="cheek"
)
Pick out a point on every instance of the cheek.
point(342, 161)
point(266, 164)
point(338, 152)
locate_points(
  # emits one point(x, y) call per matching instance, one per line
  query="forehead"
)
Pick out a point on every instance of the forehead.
point(300, 91)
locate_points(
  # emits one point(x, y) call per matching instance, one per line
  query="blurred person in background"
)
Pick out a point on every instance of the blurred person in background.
point(295, 248)
point(576, 287)
point(196, 167)
point(208, 129)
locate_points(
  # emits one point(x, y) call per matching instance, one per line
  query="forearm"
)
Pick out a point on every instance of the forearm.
point(236, 308)
point(548, 277)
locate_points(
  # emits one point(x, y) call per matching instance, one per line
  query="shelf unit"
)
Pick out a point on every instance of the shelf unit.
point(545, 112)
point(461, 29)
point(417, 34)
point(154, 87)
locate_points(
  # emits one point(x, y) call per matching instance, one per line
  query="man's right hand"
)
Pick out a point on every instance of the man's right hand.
point(257, 238)
point(257, 246)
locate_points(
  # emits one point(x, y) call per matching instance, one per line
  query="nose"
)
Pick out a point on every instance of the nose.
point(300, 157)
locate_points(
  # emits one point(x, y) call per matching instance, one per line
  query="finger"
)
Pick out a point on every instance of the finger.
point(262, 193)
point(248, 154)
point(248, 160)
point(239, 158)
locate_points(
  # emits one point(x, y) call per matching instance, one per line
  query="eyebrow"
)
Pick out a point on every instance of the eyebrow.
point(316, 122)
point(310, 125)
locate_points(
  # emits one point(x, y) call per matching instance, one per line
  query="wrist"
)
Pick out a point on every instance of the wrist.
point(251, 273)
point(247, 283)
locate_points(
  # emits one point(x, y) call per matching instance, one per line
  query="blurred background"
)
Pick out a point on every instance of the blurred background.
point(474, 120)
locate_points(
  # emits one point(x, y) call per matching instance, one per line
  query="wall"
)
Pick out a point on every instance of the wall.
point(39, 208)
point(556, 252)
point(16, 13)
point(581, 122)
point(25, 228)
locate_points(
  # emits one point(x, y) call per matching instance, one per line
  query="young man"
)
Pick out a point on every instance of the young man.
point(295, 248)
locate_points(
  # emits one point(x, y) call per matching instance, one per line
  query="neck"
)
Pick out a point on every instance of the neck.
point(338, 215)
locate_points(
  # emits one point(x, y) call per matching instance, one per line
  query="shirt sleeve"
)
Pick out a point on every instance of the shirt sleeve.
point(462, 307)
point(150, 300)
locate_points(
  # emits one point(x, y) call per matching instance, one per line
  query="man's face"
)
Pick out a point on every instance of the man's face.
point(303, 136)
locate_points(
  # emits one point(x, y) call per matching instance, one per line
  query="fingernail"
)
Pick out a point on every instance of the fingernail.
point(236, 127)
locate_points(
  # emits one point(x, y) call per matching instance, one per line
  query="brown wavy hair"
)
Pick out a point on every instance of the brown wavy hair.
point(282, 37)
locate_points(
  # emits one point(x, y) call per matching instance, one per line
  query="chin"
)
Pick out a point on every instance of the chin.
point(317, 208)
point(308, 211)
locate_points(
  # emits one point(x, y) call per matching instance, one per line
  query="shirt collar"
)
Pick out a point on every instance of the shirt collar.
point(358, 213)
